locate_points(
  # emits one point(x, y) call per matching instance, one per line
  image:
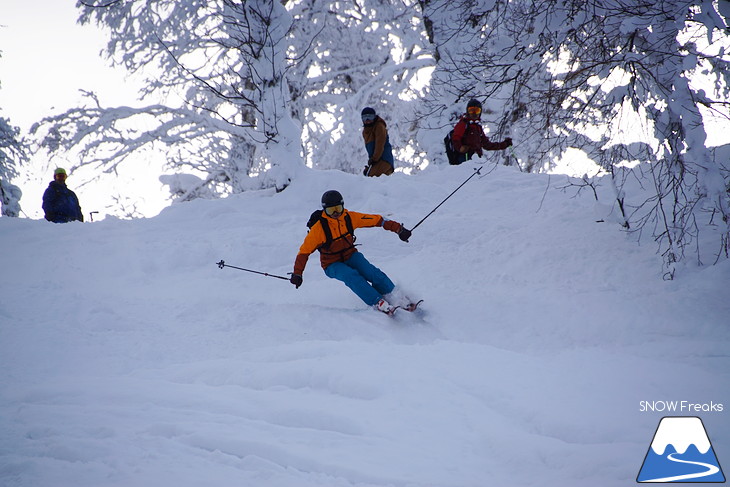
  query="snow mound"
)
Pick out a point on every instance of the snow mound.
point(130, 359)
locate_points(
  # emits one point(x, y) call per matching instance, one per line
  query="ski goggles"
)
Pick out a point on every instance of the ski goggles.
point(330, 210)
point(368, 117)
point(474, 111)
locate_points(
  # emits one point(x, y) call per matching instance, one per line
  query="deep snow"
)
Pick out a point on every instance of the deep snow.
point(129, 359)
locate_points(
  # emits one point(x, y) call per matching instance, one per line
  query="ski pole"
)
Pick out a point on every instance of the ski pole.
point(222, 264)
point(449, 196)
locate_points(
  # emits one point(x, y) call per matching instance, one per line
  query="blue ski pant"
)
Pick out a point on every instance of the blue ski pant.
point(363, 278)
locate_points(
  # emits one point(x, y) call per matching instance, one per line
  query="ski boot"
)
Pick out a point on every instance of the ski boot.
point(385, 307)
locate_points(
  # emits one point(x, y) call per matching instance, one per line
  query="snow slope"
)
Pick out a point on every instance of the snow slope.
point(129, 359)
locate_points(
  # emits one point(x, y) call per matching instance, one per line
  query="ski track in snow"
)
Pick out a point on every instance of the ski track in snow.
point(711, 470)
point(130, 359)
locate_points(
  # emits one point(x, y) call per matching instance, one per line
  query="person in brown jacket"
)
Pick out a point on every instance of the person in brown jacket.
point(332, 233)
point(377, 143)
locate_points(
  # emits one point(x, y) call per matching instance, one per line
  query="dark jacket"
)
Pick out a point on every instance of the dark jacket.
point(60, 204)
point(469, 133)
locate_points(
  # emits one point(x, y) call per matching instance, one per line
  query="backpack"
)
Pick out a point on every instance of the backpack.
point(317, 216)
point(450, 152)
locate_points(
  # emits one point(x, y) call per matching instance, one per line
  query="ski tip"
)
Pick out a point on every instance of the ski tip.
point(413, 306)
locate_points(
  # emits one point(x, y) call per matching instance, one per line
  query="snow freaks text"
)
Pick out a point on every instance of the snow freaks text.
point(680, 407)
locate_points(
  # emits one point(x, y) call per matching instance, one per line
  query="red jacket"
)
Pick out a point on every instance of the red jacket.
point(469, 132)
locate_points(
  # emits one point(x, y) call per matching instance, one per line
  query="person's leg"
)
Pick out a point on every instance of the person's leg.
point(354, 280)
point(380, 281)
point(379, 168)
point(463, 157)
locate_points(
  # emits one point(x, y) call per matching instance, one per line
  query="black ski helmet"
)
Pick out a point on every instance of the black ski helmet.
point(332, 198)
point(368, 111)
point(474, 103)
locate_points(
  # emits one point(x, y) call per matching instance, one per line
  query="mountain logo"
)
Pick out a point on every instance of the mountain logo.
point(680, 452)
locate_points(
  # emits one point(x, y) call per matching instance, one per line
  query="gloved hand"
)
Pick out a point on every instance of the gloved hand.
point(296, 279)
point(508, 142)
point(404, 234)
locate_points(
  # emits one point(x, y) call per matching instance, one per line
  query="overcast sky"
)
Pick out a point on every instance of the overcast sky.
point(47, 57)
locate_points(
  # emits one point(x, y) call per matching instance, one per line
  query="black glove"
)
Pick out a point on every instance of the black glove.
point(508, 142)
point(404, 234)
point(296, 279)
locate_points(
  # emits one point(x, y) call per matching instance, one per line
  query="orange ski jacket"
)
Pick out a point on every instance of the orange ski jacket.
point(342, 245)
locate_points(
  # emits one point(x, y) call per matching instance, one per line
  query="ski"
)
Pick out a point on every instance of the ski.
point(412, 306)
point(390, 312)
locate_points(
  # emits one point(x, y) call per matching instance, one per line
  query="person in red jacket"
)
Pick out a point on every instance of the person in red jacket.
point(469, 138)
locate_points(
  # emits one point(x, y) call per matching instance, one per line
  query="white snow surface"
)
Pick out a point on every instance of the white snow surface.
point(130, 359)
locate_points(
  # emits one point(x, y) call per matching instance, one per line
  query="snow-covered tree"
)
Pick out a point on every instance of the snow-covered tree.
point(251, 75)
point(363, 53)
point(619, 80)
point(13, 153)
point(226, 62)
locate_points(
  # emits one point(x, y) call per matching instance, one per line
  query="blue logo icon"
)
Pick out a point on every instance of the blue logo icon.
point(680, 452)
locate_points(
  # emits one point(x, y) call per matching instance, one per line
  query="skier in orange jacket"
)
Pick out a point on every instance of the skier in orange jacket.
point(332, 233)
